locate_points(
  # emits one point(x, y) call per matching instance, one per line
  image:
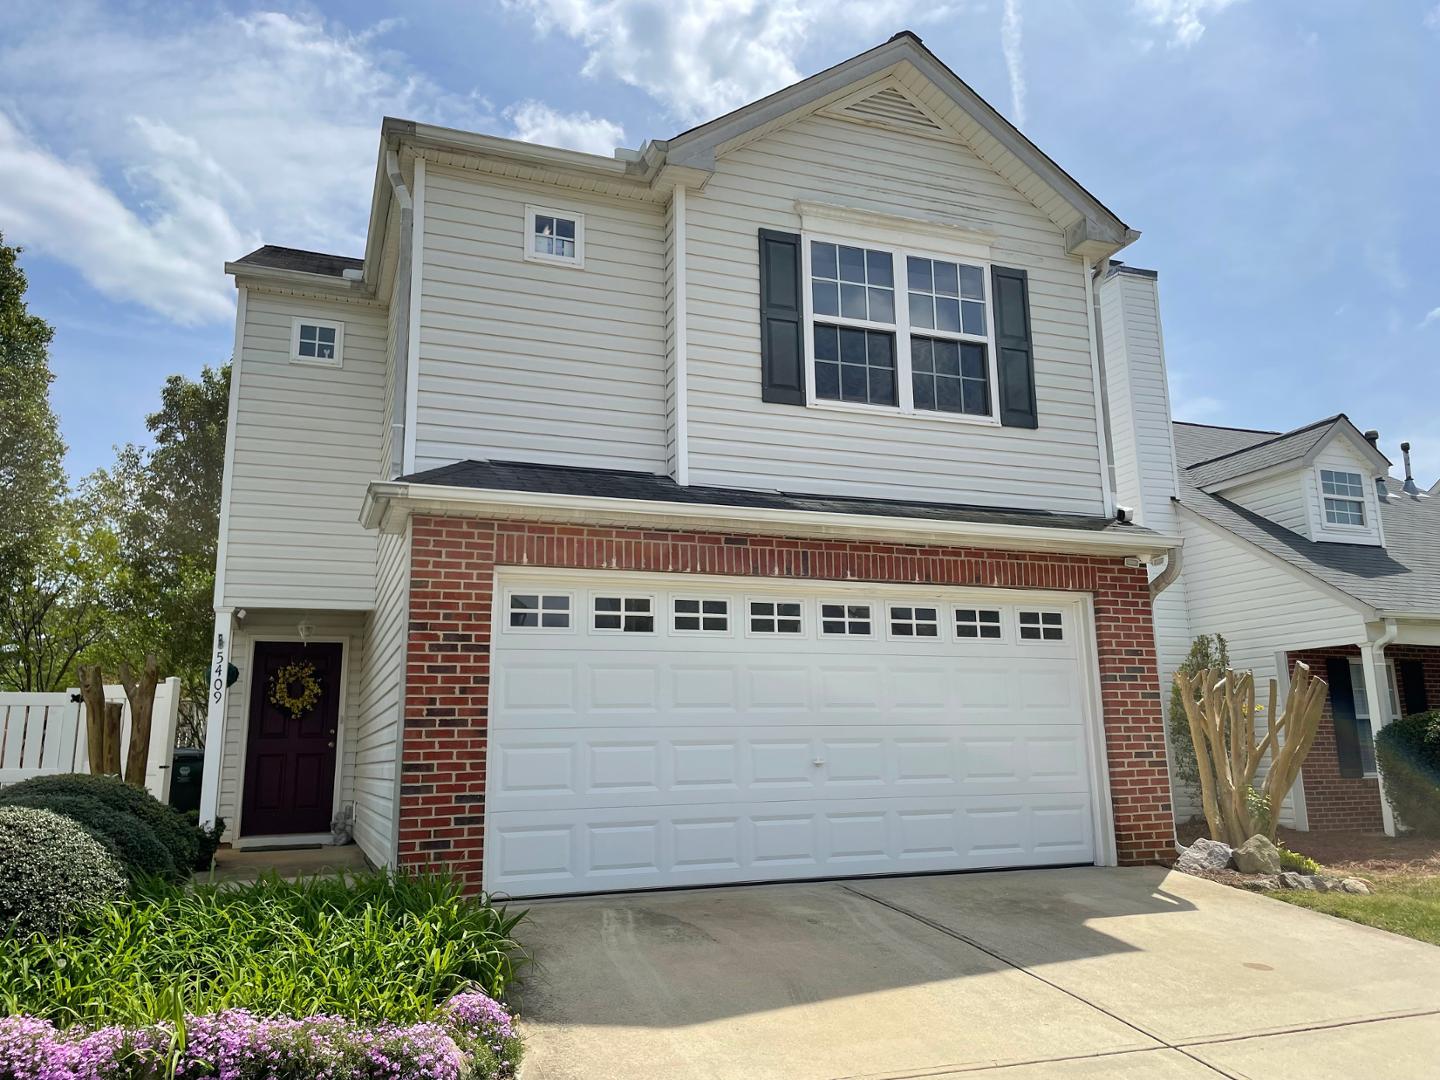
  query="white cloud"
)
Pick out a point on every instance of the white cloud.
point(536, 122)
point(1010, 24)
point(1431, 316)
point(1432, 18)
point(146, 159)
point(1183, 20)
point(702, 58)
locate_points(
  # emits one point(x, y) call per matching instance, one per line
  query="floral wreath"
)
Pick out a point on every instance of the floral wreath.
point(284, 683)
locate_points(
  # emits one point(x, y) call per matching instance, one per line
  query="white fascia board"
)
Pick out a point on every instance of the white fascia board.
point(387, 505)
point(1299, 573)
point(298, 280)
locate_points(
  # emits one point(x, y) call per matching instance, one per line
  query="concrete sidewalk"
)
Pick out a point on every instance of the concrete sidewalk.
point(1048, 973)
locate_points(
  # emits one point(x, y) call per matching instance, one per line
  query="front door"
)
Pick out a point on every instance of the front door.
point(290, 749)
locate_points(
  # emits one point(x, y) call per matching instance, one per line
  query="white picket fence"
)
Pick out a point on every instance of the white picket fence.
point(42, 734)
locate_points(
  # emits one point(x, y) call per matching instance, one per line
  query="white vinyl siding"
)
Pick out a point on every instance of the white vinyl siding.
point(737, 440)
point(520, 360)
point(1278, 498)
point(376, 746)
point(280, 626)
point(307, 442)
point(396, 352)
point(1259, 607)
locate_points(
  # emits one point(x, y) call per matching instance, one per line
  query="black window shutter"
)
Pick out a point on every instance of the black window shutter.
point(782, 337)
point(1015, 355)
point(1342, 709)
point(1412, 686)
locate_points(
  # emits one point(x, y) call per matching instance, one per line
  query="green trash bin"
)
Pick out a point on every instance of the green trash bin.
point(186, 768)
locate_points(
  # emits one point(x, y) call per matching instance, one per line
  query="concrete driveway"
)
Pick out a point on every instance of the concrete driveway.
point(1031, 974)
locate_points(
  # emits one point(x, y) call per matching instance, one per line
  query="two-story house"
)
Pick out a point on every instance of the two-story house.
point(1298, 546)
point(736, 508)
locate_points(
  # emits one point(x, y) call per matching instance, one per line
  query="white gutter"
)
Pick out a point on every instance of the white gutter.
point(399, 407)
point(682, 363)
point(1174, 563)
point(1102, 410)
point(412, 348)
point(388, 504)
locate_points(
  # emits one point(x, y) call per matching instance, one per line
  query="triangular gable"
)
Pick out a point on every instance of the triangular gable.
point(920, 85)
point(1286, 452)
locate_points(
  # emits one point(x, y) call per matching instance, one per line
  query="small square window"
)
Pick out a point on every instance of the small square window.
point(554, 236)
point(914, 622)
point(316, 342)
point(628, 614)
point(978, 623)
point(540, 611)
point(775, 617)
point(1041, 626)
point(847, 620)
point(692, 615)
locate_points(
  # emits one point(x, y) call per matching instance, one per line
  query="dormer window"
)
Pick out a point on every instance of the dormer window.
point(1344, 497)
point(554, 236)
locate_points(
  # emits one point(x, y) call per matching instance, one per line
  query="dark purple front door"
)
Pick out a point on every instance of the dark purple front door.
point(290, 759)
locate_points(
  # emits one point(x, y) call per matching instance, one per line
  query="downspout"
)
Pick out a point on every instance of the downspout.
point(396, 465)
point(1377, 693)
point(1174, 563)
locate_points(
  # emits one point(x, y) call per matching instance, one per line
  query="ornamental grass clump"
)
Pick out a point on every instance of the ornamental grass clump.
point(472, 1038)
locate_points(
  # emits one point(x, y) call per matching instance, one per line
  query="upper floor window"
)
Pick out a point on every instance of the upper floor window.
point(316, 341)
point(919, 345)
point(554, 236)
point(1344, 497)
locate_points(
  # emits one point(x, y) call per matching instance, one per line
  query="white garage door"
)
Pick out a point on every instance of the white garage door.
point(668, 731)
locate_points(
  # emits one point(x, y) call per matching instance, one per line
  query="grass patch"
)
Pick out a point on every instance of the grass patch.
point(1407, 904)
point(368, 947)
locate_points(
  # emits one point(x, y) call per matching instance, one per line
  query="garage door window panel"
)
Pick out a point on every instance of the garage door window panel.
point(914, 621)
point(534, 610)
point(700, 615)
point(979, 624)
point(623, 614)
point(776, 617)
point(845, 620)
point(1041, 626)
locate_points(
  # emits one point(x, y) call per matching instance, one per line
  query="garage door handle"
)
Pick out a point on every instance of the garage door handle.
point(818, 762)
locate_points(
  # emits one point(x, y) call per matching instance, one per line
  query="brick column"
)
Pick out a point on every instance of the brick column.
point(453, 562)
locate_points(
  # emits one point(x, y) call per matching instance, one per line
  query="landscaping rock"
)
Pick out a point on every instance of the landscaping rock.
point(1257, 856)
point(1204, 854)
point(1291, 880)
point(1267, 883)
point(1355, 885)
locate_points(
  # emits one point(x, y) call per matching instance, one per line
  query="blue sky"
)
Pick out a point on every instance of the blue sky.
point(1280, 156)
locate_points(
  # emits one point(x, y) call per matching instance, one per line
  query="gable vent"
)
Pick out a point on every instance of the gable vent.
point(890, 107)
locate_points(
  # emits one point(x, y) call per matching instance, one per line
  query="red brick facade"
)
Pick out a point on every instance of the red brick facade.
point(453, 561)
point(1333, 801)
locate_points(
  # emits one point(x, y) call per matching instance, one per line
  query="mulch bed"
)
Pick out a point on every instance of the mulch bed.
point(1349, 852)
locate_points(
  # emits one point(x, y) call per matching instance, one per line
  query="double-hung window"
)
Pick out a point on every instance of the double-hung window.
point(899, 329)
point(1344, 497)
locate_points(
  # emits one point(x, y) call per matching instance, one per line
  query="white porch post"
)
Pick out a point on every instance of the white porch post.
point(1377, 696)
point(215, 717)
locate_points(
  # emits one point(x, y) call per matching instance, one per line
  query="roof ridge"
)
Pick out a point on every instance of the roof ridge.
point(1227, 427)
point(304, 251)
point(1269, 442)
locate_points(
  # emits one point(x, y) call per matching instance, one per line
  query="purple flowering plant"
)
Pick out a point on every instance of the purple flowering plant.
point(472, 1038)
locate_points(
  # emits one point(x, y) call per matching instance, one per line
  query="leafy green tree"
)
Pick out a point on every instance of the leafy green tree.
point(1205, 652)
point(32, 473)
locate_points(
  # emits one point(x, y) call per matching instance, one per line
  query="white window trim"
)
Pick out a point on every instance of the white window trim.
point(846, 619)
point(803, 632)
point(315, 361)
point(904, 382)
point(940, 612)
point(1042, 640)
point(573, 611)
point(1357, 678)
point(528, 239)
point(1365, 511)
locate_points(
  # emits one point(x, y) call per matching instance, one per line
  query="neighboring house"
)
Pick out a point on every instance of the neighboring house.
point(737, 508)
point(1298, 546)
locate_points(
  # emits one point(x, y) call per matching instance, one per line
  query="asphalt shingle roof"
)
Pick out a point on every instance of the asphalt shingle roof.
point(306, 262)
point(619, 484)
point(1403, 576)
point(1263, 454)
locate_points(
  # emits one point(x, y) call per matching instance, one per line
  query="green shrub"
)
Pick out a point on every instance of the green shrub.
point(209, 840)
point(369, 947)
point(1409, 754)
point(130, 840)
point(1293, 860)
point(181, 839)
point(52, 871)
